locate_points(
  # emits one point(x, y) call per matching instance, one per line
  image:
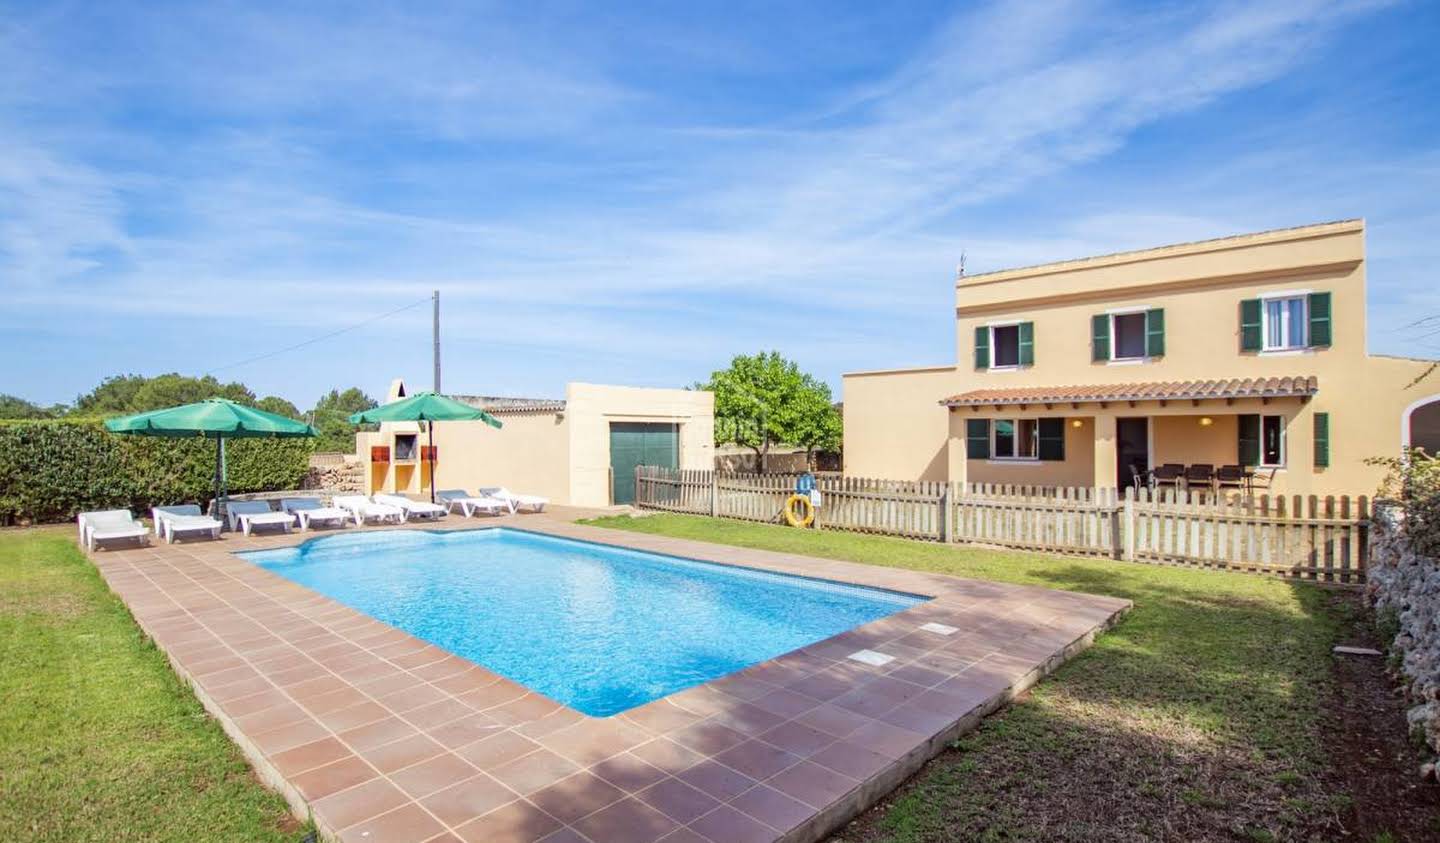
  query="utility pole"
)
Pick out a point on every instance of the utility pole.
point(435, 297)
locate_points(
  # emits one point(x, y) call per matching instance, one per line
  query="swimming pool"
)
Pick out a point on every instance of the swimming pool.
point(599, 628)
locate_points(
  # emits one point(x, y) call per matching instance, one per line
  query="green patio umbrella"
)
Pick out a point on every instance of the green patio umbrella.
point(427, 407)
point(213, 418)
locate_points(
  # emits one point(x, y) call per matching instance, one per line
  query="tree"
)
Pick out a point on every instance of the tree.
point(139, 394)
point(276, 404)
point(12, 407)
point(332, 418)
point(764, 399)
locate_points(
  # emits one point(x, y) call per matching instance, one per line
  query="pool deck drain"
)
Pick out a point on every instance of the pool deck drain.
point(383, 737)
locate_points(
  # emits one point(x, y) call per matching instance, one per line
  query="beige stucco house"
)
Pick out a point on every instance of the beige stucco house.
point(580, 450)
point(1243, 350)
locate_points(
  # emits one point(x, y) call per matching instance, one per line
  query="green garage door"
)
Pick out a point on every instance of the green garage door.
point(638, 443)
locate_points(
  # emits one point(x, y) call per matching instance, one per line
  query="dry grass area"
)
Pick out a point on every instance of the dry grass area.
point(1207, 714)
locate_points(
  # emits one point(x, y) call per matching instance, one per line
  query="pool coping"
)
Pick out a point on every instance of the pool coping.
point(380, 736)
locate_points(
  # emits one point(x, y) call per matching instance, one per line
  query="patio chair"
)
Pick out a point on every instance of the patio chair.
point(1199, 476)
point(1168, 474)
point(1232, 477)
point(183, 518)
point(1141, 477)
point(534, 503)
point(413, 509)
point(247, 515)
point(363, 509)
point(309, 510)
point(470, 504)
point(109, 525)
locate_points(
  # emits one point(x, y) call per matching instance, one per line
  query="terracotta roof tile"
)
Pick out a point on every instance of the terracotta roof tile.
point(1144, 391)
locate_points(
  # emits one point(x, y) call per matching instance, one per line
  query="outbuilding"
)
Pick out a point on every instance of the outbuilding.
point(580, 450)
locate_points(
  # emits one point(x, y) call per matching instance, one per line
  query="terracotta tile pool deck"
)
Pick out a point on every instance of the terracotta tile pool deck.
point(382, 737)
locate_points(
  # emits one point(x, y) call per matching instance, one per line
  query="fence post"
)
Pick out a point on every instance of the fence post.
point(1128, 525)
point(944, 522)
point(714, 494)
point(639, 498)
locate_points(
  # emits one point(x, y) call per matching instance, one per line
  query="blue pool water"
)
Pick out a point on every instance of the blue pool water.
point(598, 628)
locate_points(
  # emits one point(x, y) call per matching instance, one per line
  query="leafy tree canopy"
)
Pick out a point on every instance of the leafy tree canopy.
point(12, 407)
point(764, 399)
point(138, 394)
point(332, 418)
point(278, 405)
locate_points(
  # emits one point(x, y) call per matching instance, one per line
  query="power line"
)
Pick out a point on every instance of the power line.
point(277, 352)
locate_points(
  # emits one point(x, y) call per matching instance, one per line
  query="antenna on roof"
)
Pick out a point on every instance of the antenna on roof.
point(960, 271)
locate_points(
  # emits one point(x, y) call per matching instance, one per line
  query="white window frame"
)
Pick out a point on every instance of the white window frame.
point(1115, 341)
point(993, 346)
point(1034, 440)
point(1284, 446)
point(1285, 295)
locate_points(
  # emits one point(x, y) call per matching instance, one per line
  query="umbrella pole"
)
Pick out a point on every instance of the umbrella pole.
point(219, 474)
point(430, 427)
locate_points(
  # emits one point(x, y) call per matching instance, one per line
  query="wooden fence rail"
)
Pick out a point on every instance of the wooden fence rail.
point(1314, 538)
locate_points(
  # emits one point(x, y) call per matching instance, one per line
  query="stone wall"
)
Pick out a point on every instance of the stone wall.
point(1404, 586)
point(346, 478)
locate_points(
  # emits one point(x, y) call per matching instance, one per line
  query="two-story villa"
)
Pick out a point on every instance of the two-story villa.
point(1246, 351)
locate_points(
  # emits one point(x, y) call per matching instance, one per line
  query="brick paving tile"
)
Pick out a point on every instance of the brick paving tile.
point(462, 802)
point(517, 822)
point(434, 774)
point(727, 825)
point(575, 796)
point(630, 820)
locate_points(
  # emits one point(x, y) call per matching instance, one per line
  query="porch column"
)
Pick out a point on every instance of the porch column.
point(956, 469)
point(1106, 458)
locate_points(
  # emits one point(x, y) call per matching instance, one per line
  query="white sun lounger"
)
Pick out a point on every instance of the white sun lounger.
point(247, 515)
point(413, 509)
point(184, 518)
point(363, 509)
point(309, 510)
point(534, 503)
point(470, 504)
point(109, 525)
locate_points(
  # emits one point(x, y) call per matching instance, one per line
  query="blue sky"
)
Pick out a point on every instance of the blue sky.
point(634, 194)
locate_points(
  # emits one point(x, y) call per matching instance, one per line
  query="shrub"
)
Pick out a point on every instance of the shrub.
point(1414, 484)
point(50, 470)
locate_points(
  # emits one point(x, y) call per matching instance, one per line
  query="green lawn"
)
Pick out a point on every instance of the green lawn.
point(99, 741)
point(1201, 716)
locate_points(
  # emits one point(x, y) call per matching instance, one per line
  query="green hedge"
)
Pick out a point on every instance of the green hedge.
point(51, 470)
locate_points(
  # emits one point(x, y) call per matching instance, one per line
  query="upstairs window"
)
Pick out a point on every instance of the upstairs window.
point(1132, 335)
point(1285, 323)
point(1129, 336)
point(1005, 342)
point(1005, 346)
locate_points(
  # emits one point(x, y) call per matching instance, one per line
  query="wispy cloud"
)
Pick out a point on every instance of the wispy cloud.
point(568, 196)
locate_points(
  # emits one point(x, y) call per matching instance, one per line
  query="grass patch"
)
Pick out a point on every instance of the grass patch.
point(99, 740)
point(1200, 717)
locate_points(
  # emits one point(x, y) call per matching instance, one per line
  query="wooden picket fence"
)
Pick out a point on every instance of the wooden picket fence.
point(1314, 538)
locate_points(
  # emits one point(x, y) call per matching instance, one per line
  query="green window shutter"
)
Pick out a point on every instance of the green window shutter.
point(982, 347)
point(1051, 439)
point(1027, 343)
point(1250, 334)
point(1155, 332)
point(1320, 319)
point(1100, 337)
point(977, 439)
point(1322, 440)
point(1249, 450)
